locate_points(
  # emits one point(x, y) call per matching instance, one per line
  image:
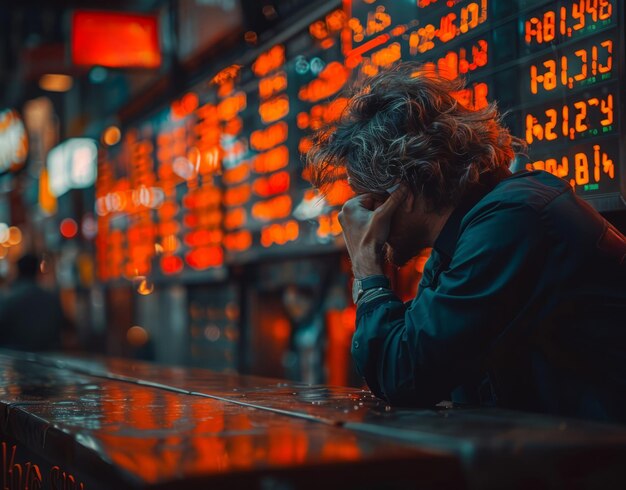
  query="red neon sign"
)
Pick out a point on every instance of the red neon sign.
point(117, 40)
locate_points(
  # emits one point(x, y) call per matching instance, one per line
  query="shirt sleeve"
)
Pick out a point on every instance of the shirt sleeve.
point(416, 355)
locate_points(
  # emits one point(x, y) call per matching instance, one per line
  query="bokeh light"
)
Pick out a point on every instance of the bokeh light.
point(15, 236)
point(145, 287)
point(4, 232)
point(137, 336)
point(54, 82)
point(68, 228)
point(250, 37)
point(111, 136)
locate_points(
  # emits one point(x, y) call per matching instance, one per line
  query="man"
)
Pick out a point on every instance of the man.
point(523, 301)
point(31, 318)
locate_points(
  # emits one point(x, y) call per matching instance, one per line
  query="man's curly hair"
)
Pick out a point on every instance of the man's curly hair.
point(405, 124)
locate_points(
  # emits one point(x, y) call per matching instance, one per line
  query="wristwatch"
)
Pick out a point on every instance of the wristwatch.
point(359, 286)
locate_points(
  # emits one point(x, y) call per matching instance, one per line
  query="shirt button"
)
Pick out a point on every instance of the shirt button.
point(355, 344)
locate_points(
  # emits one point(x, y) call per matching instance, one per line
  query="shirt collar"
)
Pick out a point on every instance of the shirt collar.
point(445, 243)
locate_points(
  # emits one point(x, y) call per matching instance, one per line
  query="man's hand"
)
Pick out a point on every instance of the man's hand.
point(366, 222)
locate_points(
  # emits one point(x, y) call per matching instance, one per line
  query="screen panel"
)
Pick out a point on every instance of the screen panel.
point(554, 67)
point(216, 177)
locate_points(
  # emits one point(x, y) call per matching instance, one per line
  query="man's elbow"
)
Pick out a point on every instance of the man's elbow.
point(408, 392)
point(396, 390)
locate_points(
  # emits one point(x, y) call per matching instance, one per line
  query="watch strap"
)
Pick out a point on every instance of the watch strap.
point(377, 281)
point(359, 286)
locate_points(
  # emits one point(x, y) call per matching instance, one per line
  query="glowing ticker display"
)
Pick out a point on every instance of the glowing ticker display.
point(219, 170)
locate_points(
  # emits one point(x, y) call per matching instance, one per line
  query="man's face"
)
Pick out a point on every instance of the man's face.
point(409, 228)
point(408, 235)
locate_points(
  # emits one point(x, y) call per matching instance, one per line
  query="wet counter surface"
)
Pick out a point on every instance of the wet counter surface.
point(121, 424)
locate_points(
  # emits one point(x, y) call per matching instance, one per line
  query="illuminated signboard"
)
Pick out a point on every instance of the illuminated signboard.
point(226, 184)
point(13, 141)
point(72, 165)
point(115, 39)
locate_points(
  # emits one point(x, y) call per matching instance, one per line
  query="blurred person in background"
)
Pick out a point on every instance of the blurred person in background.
point(522, 303)
point(304, 359)
point(31, 317)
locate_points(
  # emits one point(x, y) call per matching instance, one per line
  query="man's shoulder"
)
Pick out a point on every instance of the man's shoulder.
point(521, 198)
point(530, 190)
point(536, 189)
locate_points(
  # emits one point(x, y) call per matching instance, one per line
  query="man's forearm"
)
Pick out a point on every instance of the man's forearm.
point(380, 349)
point(366, 261)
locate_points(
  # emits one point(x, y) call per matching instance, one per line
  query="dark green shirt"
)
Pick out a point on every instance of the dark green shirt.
point(522, 304)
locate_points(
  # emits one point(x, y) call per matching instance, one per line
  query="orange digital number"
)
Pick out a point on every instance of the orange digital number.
point(269, 161)
point(269, 61)
point(203, 237)
point(531, 129)
point(469, 17)
point(582, 54)
point(578, 13)
point(238, 241)
point(605, 9)
point(580, 125)
point(336, 20)
point(331, 79)
point(473, 98)
point(264, 139)
point(549, 26)
point(564, 75)
point(549, 78)
point(276, 183)
point(236, 174)
point(447, 29)
point(272, 84)
point(237, 196)
point(581, 168)
point(541, 30)
point(423, 39)
point(274, 109)
point(318, 30)
point(329, 225)
point(357, 30)
point(338, 193)
point(230, 106)
point(608, 44)
point(592, 9)
point(607, 164)
point(606, 107)
point(279, 233)
point(534, 79)
point(205, 257)
point(551, 124)
point(387, 55)
point(377, 21)
point(275, 208)
point(536, 130)
point(565, 124)
point(305, 145)
point(235, 218)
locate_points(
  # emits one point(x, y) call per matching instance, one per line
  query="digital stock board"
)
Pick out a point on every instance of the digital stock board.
point(216, 176)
